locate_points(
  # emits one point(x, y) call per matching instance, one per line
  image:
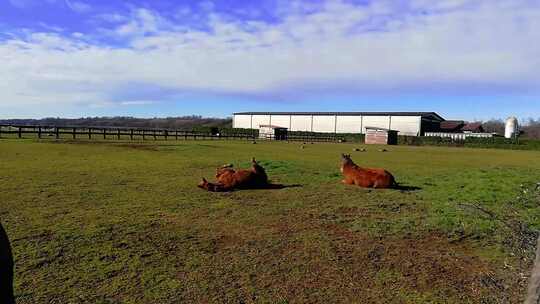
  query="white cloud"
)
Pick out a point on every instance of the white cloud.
point(21, 3)
point(78, 6)
point(113, 17)
point(374, 47)
point(136, 102)
point(207, 5)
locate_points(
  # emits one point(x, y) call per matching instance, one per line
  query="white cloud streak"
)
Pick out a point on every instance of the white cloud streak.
point(78, 6)
point(450, 43)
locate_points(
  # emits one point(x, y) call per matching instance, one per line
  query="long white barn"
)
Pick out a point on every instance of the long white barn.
point(407, 123)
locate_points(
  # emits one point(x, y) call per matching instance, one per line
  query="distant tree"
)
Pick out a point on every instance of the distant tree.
point(494, 126)
point(531, 129)
point(183, 122)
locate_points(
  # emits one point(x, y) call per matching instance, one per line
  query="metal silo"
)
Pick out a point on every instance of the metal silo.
point(512, 128)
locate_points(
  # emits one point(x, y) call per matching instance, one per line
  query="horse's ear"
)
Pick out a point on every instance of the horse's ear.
point(204, 180)
point(253, 160)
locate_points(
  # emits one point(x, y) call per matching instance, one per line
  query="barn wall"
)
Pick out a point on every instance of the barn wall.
point(376, 121)
point(260, 120)
point(242, 121)
point(281, 120)
point(349, 124)
point(301, 123)
point(375, 137)
point(406, 125)
point(324, 124)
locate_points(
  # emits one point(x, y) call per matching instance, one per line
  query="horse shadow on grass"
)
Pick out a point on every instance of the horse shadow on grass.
point(271, 187)
point(405, 188)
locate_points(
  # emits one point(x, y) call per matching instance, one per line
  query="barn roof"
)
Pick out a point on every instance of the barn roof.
point(422, 114)
point(272, 126)
point(473, 127)
point(381, 129)
point(452, 125)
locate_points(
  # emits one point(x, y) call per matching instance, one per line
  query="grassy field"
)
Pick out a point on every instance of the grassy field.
point(125, 223)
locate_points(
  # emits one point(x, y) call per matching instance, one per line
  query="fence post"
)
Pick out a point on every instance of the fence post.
point(143, 135)
point(74, 133)
point(20, 132)
point(89, 133)
point(166, 134)
point(39, 132)
point(57, 131)
point(1, 131)
point(154, 132)
point(118, 134)
point(176, 134)
point(131, 134)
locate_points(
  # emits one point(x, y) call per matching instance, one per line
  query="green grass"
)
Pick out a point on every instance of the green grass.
point(117, 222)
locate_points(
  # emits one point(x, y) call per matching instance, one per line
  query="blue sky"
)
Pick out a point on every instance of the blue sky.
point(468, 59)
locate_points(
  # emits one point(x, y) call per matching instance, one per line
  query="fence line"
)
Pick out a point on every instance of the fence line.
point(123, 133)
point(113, 133)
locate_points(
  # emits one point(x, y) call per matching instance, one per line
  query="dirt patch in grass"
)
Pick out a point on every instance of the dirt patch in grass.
point(144, 147)
point(312, 261)
point(420, 265)
point(130, 145)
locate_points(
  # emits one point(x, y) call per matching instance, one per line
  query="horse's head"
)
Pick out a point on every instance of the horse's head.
point(255, 167)
point(346, 159)
point(255, 164)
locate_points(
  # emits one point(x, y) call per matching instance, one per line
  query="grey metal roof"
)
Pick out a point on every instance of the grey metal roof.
point(272, 126)
point(381, 129)
point(422, 114)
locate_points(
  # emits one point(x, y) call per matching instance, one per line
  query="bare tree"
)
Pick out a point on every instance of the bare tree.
point(532, 129)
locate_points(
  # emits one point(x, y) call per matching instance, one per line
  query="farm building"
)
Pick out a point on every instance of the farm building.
point(272, 132)
point(381, 136)
point(406, 123)
point(460, 130)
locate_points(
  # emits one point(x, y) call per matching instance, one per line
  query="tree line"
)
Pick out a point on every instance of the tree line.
point(529, 128)
point(178, 123)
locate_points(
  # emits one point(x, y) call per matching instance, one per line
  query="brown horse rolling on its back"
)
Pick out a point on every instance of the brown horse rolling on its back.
point(229, 179)
point(365, 177)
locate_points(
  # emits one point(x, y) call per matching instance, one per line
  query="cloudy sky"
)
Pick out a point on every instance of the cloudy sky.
point(471, 59)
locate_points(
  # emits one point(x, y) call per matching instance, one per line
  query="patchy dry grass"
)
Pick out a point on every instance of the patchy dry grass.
point(124, 223)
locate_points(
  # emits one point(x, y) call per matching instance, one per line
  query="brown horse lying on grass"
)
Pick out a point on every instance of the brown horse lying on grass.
point(365, 177)
point(229, 179)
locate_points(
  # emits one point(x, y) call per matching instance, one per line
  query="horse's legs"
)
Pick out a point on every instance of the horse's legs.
point(348, 182)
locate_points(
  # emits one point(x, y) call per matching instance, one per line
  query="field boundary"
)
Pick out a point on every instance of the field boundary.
point(135, 134)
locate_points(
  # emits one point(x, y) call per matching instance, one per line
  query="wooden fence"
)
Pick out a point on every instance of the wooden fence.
point(16, 131)
point(120, 133)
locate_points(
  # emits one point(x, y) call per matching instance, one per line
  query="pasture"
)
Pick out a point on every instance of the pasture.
point(119, 222)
